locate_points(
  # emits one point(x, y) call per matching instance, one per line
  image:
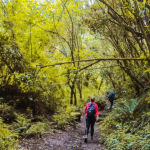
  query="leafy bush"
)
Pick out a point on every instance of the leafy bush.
point(124, 109)
point(127, 126)
point(72, 108)
point(8, 139)
point(7, 112)
point(65, 117)
point(25, 127)
point(21, 124)
point(61, 119)
point(75, 115)
point(37, 129)
point(101, 103)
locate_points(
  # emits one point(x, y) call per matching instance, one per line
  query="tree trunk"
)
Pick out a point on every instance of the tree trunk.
point(75, 98)
point(100, 85)
point(72, 92)
point(79, 84)
point(113, 83)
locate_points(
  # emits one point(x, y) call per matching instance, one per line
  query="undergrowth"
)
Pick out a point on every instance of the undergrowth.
point(37, 129)
point(66, 117)
point(18, 125)
point(25, 125)
point(8, 139)
point(127, 127)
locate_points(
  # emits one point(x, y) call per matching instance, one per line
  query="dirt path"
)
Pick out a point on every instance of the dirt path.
point(72, 139)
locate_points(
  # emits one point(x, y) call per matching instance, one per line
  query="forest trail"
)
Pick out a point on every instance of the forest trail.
point(71, 139)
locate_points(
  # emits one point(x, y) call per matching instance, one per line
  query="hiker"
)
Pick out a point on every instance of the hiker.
point(91, 113)
point(111, 97)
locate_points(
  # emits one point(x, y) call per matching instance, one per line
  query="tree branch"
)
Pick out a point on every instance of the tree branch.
point(95, 59)
point(89, 65)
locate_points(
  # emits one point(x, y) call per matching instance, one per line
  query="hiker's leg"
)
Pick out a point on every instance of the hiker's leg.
point(87, 126)
point(111, 104)
point(92, 125)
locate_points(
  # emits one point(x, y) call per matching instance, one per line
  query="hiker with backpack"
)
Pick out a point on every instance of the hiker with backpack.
point(111, 97)
point(91, 113)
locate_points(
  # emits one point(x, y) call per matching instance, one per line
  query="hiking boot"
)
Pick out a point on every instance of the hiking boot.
point(91, 137)
point(85, 138)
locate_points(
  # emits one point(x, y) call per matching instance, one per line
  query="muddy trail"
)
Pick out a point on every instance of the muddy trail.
point(70, 139)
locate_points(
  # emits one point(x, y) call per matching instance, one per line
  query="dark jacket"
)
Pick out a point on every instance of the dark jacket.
point(111, 96)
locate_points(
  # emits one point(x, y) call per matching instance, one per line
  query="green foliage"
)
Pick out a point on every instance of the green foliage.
point(66, 116)
point(101, 103)
point(61, 120)
point(32, 42)
point(75, 115)
point(37, 129)
point(26, 128)
point(21, 124)
point(71, 108)
point(7, 112)
point(7, 138)
point(127, 127)
point(124, 108)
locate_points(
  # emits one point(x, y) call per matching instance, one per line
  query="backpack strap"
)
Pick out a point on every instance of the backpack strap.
point(91, 103)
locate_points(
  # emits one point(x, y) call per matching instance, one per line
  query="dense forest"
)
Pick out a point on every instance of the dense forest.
point(56, 54)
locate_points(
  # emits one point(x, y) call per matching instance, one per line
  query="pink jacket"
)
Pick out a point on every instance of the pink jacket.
point(96, 108)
